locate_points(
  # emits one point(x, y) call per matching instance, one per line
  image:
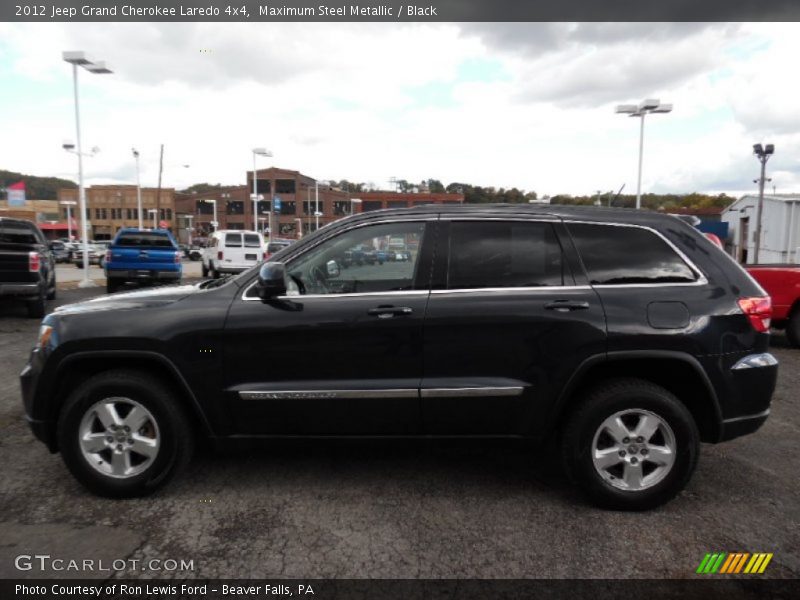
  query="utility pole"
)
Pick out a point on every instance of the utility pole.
point(160, 171)
point(763, 154)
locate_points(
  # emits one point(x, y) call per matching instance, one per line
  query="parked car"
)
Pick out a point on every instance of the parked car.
point(97, 254)
point(61, 253)
point(624, 336)
point(27, 266)
point(144, 255)
point(782, 283)
point(275, 246)
point(232, 251)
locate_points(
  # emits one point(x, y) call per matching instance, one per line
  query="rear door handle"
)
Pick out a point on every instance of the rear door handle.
point(566, 305)
point(387, 312)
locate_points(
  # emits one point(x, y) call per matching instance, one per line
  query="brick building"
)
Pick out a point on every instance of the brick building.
point(300, 198)
point(111, 207)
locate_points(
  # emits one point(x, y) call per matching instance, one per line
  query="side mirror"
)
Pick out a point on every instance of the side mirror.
point(332, 268)
point(271, 280)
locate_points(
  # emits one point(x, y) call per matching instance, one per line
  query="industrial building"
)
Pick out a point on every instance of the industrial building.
point(780, 226)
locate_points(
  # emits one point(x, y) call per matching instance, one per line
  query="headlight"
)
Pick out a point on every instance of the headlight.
point(45, 331)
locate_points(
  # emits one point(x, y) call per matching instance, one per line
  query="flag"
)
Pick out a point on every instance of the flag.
point(16, 194)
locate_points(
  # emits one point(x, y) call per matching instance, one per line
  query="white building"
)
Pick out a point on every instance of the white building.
point(780, 226)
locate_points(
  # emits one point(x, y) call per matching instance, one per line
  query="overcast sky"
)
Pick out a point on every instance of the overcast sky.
point(526, 105)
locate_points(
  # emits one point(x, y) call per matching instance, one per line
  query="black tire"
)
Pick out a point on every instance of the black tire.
point(793, 328)
point(175, 434)
point(204, 269)
point(212, 270)
point(51, 293)
point(604, 401)
point(79, 265)
point(36, 307)
point(112, 285)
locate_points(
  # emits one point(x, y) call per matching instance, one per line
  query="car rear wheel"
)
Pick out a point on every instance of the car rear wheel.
point(122, 435)
point(112, 285)
point(37, 307)
point(630, 445)
point(793, 328)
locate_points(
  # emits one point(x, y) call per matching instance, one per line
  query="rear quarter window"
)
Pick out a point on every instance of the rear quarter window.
point(618, 255)
point(17, 233)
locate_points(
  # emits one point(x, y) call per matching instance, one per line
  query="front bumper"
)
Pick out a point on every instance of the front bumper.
point(42, 428)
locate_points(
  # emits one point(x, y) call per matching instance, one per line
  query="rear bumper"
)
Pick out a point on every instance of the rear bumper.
point(19, 289)
point(132, 274)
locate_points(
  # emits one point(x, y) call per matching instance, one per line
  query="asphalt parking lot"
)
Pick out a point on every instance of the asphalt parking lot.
point(396, 510)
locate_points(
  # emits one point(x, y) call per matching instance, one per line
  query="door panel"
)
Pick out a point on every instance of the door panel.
point(497, 353)
point(341, 353)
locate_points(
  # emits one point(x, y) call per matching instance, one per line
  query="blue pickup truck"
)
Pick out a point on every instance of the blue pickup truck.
point(142, 255)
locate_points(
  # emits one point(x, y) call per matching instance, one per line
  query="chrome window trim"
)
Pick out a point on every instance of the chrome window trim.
point(494, 290)
point(300, 297)
point(701, 278)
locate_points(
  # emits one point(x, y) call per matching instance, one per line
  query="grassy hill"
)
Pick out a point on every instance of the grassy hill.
point(36, 188)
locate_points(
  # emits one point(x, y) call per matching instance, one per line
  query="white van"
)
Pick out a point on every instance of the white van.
point(232, 251)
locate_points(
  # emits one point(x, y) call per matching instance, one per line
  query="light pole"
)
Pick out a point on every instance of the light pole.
point(68, 204)
point(317, 214)
point(762, 153)
point(77, 59)
point(646, 107)
point(138, 188)
point(254, 195)
point(352, 202)
point(189, 230)
point(214, 223)
point(153, 212)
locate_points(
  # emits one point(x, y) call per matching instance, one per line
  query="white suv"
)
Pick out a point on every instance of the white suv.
point(232, 251)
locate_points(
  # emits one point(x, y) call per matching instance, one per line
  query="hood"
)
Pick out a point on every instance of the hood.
point(131, 300)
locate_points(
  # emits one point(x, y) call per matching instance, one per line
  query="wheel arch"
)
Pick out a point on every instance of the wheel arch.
point(78, 367)
point(677, 372)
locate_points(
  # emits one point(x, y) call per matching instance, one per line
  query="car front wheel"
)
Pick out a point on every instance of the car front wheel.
point(630, 445)
point(122, 435)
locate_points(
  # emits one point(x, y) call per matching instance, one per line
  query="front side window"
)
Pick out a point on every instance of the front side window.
point(357, 261)
point(504, 254)
point(616, 255)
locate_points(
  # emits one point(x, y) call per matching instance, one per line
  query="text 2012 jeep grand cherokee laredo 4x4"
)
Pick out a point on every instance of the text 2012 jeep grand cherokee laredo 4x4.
point(629, 334)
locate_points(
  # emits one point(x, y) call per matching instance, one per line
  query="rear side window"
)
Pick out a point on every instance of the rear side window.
point(12, 232)
point(487, 254)
point(615, 255)
point(233, 240)
point(251, 240)
point(143, 239)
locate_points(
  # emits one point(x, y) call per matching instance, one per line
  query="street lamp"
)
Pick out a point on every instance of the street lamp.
point(254, 196)
point(77, 59)
point(646, 107)
point(762, 153)
point(138, 188)
point(68, 204)
point(352, 202)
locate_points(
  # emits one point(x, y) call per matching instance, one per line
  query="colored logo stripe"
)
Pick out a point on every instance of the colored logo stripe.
point(734, 563)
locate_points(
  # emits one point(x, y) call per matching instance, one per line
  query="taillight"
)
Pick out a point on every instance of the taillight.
point(178, 256)
point(219, 255)
point(758, 311)
point(34, 262)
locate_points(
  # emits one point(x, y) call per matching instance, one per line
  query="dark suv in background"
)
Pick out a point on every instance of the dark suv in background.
point(27, 265)
point(627, 335)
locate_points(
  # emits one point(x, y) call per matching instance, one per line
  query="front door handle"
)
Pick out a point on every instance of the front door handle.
point(566, 305)
point(387, 312)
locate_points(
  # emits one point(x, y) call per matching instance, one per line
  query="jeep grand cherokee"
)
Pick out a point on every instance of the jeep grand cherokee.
point(626, 334)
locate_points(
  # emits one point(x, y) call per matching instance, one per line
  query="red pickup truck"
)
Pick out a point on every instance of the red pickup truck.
point(782, 283)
